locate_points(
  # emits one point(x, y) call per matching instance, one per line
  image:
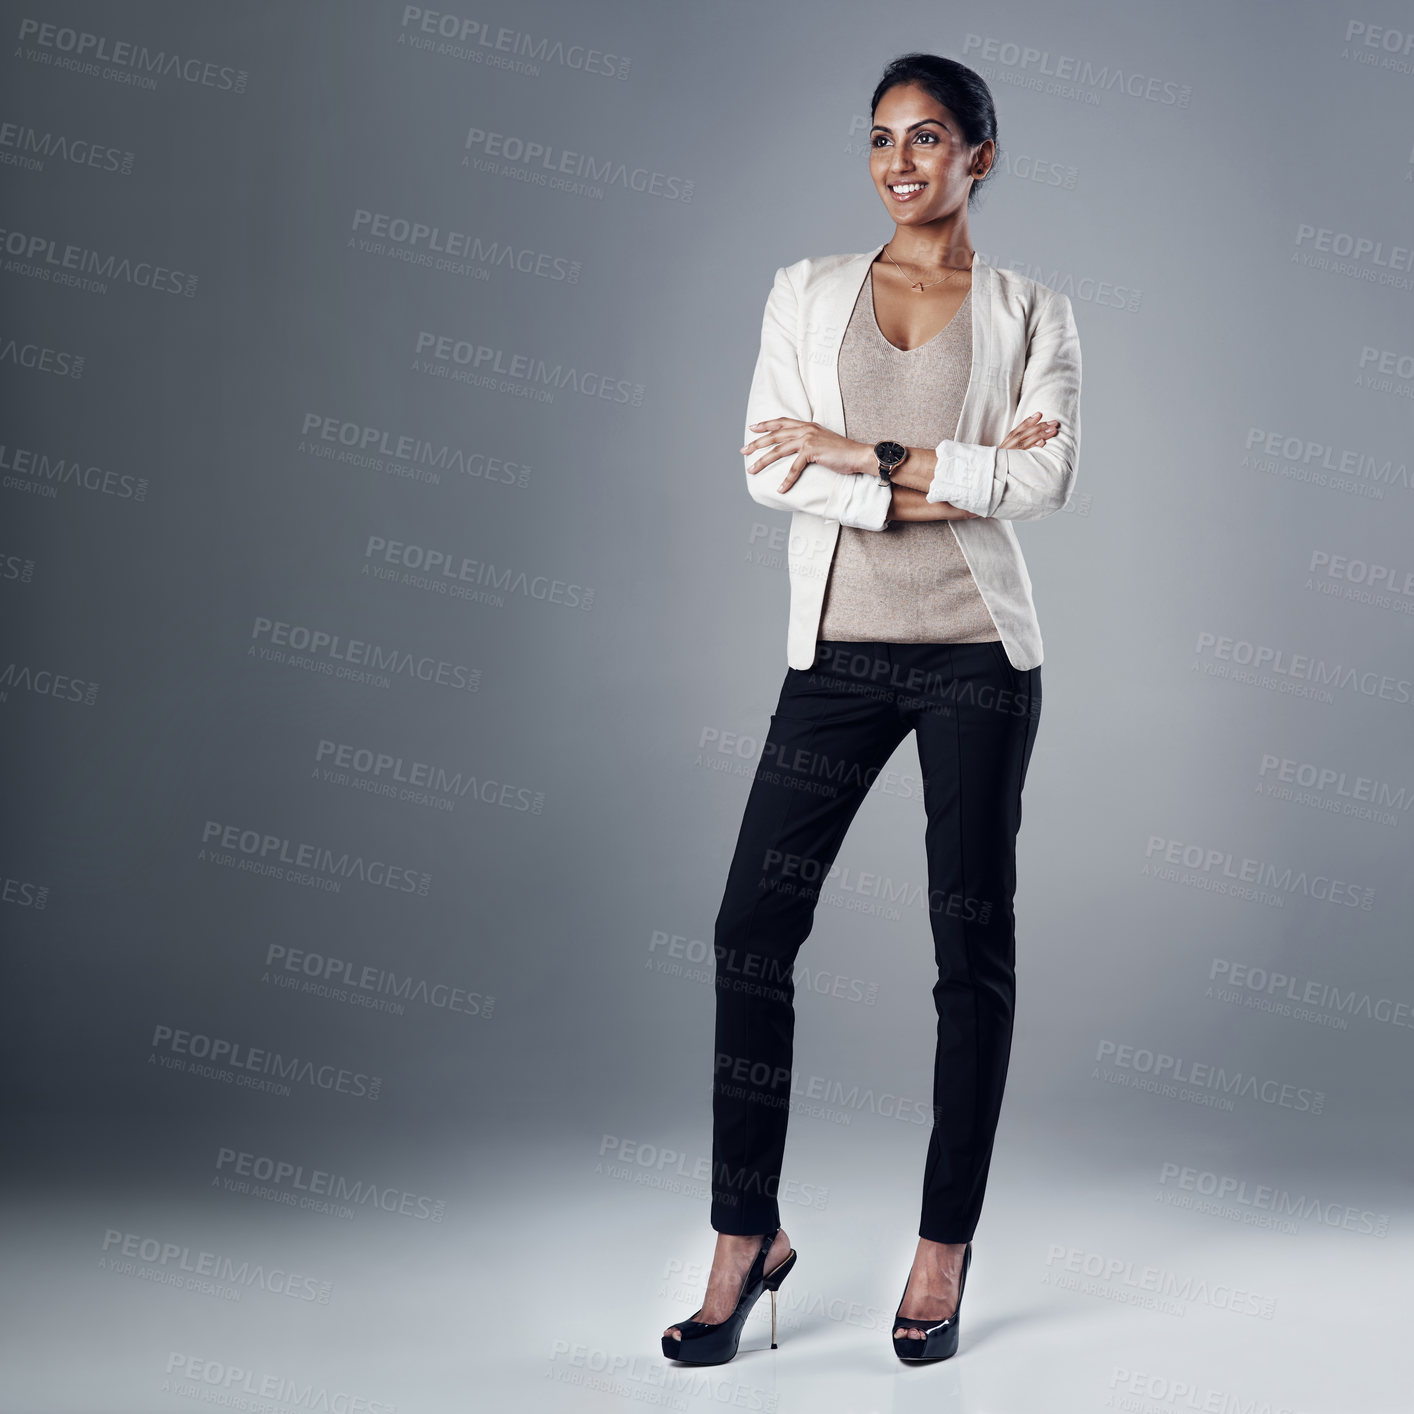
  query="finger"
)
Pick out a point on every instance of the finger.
point(778, 450)
point(796, 468)
point(774, 452)
point(776, 428)
point(1037, 436)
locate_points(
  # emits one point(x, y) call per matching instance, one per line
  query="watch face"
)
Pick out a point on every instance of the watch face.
point(890, 453)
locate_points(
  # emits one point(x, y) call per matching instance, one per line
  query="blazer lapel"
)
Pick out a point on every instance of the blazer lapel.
point(825, 319)
point(982, 380)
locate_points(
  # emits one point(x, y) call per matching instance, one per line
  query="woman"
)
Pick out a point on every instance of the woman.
point(882, 414)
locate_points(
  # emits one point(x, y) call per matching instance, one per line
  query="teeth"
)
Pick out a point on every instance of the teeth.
point(907, 187)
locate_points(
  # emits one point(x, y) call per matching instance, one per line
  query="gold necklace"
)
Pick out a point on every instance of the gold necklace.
point(914, 284)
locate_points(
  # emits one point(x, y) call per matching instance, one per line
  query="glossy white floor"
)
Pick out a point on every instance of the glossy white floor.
point(546, 1284)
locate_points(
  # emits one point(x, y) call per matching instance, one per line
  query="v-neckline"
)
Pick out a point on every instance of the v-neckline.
point(874, 315)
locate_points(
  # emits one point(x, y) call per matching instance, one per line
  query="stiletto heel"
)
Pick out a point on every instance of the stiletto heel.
point(715, 1342)
point(772, 1282)
point(939, 1337)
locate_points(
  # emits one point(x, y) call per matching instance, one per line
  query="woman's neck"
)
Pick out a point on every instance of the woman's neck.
point(935, 250)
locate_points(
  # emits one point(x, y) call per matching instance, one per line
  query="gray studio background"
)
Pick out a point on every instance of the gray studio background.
point(298, 310)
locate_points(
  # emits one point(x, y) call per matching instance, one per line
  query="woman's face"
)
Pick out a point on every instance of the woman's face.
point(920, 162)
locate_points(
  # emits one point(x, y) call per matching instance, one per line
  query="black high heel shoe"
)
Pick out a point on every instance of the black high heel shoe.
point(714, 1343)
point(939, 1337)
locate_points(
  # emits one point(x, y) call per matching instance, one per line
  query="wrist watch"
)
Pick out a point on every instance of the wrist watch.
point(891, 456)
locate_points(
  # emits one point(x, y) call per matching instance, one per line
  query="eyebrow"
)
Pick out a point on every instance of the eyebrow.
point(880, 128)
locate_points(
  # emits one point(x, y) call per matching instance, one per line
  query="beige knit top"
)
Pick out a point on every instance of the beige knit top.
point(910, 582)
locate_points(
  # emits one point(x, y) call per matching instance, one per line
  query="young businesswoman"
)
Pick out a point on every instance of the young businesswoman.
point(883, 414)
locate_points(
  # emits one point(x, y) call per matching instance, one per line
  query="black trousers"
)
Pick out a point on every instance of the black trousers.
point(834, 728)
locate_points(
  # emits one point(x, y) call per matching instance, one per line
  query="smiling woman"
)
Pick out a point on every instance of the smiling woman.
point(908, 404)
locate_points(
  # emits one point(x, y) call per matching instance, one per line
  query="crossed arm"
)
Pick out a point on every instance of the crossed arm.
point(1028, 475)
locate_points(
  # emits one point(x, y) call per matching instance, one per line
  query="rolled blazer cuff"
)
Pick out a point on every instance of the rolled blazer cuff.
point(964, 475)
point(862, 501)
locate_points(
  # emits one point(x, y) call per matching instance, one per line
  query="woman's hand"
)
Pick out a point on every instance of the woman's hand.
point(813, 443)
point(1030, 432)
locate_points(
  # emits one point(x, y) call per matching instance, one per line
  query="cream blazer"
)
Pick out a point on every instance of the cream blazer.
point(1025, 359)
